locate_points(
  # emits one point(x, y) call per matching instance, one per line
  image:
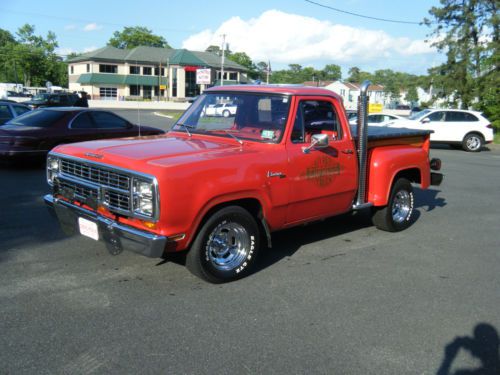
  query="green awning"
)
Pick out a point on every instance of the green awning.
point(120, 79)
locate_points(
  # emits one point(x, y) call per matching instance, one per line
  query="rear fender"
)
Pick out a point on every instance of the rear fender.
point(388, 163)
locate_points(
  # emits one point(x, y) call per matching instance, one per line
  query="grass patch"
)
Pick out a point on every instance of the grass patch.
point(496, 138)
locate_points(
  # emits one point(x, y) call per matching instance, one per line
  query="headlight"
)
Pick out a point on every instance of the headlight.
point(143, 197)
point(52, 169)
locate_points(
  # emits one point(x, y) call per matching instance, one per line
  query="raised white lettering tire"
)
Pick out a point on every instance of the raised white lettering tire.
point(397, 215)
point(225, 247)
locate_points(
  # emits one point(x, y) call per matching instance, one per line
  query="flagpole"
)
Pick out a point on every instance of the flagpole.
point(268, 71)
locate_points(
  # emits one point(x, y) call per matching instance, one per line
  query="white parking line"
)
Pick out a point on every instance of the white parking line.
point(162, 115)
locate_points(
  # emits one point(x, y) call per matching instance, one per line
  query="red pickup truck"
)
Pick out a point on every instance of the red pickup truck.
point(218, 186)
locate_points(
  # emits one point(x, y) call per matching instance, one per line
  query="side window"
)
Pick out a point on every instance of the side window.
point(460, 117)
point(376, 118)
point(5, 114)
point(20, 110)
point(56, 99)
point(315, 117)
point(437, 116)
point(83, 121)
point(106, 120)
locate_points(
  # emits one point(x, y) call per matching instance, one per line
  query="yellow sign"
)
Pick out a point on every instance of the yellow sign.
point(163, 87)
point(375, 108)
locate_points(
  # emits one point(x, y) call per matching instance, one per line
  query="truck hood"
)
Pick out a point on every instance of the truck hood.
point(152, 150)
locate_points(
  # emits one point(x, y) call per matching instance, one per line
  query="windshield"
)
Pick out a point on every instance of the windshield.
point(40, 118)
point(419, 115)
point(42, 97)
point(256, 117)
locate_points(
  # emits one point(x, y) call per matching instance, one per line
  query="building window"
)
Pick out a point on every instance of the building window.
point(135, 90)
point(108, 93)
point(174, 82)
point(146, 92)
point(135, 70)
point(88, 68)
point(108, 68)
point(147, 71)
point(342, 92)
point(192, 89)
point(157, 71)
point(233, 76)
point(72, 69)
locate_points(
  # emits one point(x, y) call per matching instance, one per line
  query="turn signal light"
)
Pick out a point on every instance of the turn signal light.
point(435, 164)
point(149, 224)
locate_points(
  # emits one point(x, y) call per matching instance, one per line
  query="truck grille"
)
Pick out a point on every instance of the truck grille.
point(118, 201)
point(82, 192)
point(96, 175)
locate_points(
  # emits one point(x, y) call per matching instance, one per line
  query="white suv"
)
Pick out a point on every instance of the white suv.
point(467, 129)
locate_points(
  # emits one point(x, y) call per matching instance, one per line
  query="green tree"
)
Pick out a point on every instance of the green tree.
point(467, 31)
point(331, 72)
point(244, 60)
point(131, 37)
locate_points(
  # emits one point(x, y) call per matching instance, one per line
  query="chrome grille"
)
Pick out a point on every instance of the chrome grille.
point(95, 174)
point(80, 191)
point(115, 200)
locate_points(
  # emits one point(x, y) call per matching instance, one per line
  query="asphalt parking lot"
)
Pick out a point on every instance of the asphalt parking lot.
point(337, 297)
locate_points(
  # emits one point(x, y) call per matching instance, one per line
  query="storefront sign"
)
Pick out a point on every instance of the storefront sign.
point(203, 76)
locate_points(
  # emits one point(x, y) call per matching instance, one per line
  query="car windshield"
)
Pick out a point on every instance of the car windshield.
point(419, 115)
point(42, 96)
point(40, 118)
point(251, 116)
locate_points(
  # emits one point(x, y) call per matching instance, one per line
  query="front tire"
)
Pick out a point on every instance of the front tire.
point(473, 142)
point(226, 113)
point(396, 216)
point(225, 247)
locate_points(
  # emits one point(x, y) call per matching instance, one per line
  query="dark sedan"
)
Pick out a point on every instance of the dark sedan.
point(32, 135)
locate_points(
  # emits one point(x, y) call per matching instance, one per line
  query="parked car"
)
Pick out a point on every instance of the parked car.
point(10, 109)
point(469, 130)
point(221, 109)
point(33, 134)
point(63, 99)
point(377, 119)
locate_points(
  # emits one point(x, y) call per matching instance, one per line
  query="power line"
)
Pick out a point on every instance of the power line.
point(362, 15)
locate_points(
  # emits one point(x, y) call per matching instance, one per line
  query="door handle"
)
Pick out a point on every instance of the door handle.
point(348, 151)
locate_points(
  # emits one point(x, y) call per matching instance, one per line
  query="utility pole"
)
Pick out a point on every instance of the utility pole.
point(168, 78)
point(222, 59)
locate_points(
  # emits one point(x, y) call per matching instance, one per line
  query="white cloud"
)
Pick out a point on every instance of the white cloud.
point(88, 49)
point(92, 27)
point(70, 27)
point(289, 38)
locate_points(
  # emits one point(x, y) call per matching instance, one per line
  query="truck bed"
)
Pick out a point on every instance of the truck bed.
point(384, 136)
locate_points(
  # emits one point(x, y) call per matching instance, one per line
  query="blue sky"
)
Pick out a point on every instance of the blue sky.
point(293, 31)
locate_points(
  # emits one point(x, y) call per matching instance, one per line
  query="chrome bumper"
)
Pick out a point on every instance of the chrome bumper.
point(116, 236)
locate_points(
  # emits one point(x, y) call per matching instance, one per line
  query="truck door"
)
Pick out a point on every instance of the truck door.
point(323, 182)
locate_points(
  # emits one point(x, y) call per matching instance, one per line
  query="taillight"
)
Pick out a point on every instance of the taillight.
point(489, 126)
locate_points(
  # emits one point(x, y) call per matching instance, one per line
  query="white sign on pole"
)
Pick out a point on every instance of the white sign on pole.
point(203, 76)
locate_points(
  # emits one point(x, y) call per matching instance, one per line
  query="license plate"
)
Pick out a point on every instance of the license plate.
point(88, 228)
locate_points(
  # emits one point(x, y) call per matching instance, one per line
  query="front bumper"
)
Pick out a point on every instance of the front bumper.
point(116, 236)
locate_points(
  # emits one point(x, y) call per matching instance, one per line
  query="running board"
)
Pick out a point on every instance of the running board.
point(357, 207)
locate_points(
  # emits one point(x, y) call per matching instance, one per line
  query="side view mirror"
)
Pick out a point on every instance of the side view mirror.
point(318, 141)
point(425, 120)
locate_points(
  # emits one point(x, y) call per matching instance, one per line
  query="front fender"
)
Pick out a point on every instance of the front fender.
point(386, 162)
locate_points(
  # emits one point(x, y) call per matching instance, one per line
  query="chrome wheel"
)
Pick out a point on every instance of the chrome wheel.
point(402, 206)
point(473, 142)
point(228, 246)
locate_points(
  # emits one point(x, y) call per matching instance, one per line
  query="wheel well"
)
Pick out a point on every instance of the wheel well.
point(252, 205)
point(413, 175)
point(474, 132)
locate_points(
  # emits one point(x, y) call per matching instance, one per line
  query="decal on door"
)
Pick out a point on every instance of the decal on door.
point(322, 171)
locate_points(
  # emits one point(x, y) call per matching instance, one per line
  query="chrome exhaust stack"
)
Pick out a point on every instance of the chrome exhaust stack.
point(362, 132)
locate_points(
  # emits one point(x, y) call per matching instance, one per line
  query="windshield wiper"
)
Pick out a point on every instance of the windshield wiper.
point(232, 135)
point(186, 128)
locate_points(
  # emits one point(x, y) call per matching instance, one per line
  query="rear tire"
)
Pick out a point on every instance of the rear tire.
point(473, 142)
point(396, 216)
point(226, 113)
point(225, 247)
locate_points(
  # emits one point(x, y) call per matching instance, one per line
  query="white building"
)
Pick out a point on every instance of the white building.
point(350, 93)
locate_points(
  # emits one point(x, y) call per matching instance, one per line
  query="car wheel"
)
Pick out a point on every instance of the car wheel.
point(396, 216)
point(225, 247)
point(226, 113)
point(473, 142)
